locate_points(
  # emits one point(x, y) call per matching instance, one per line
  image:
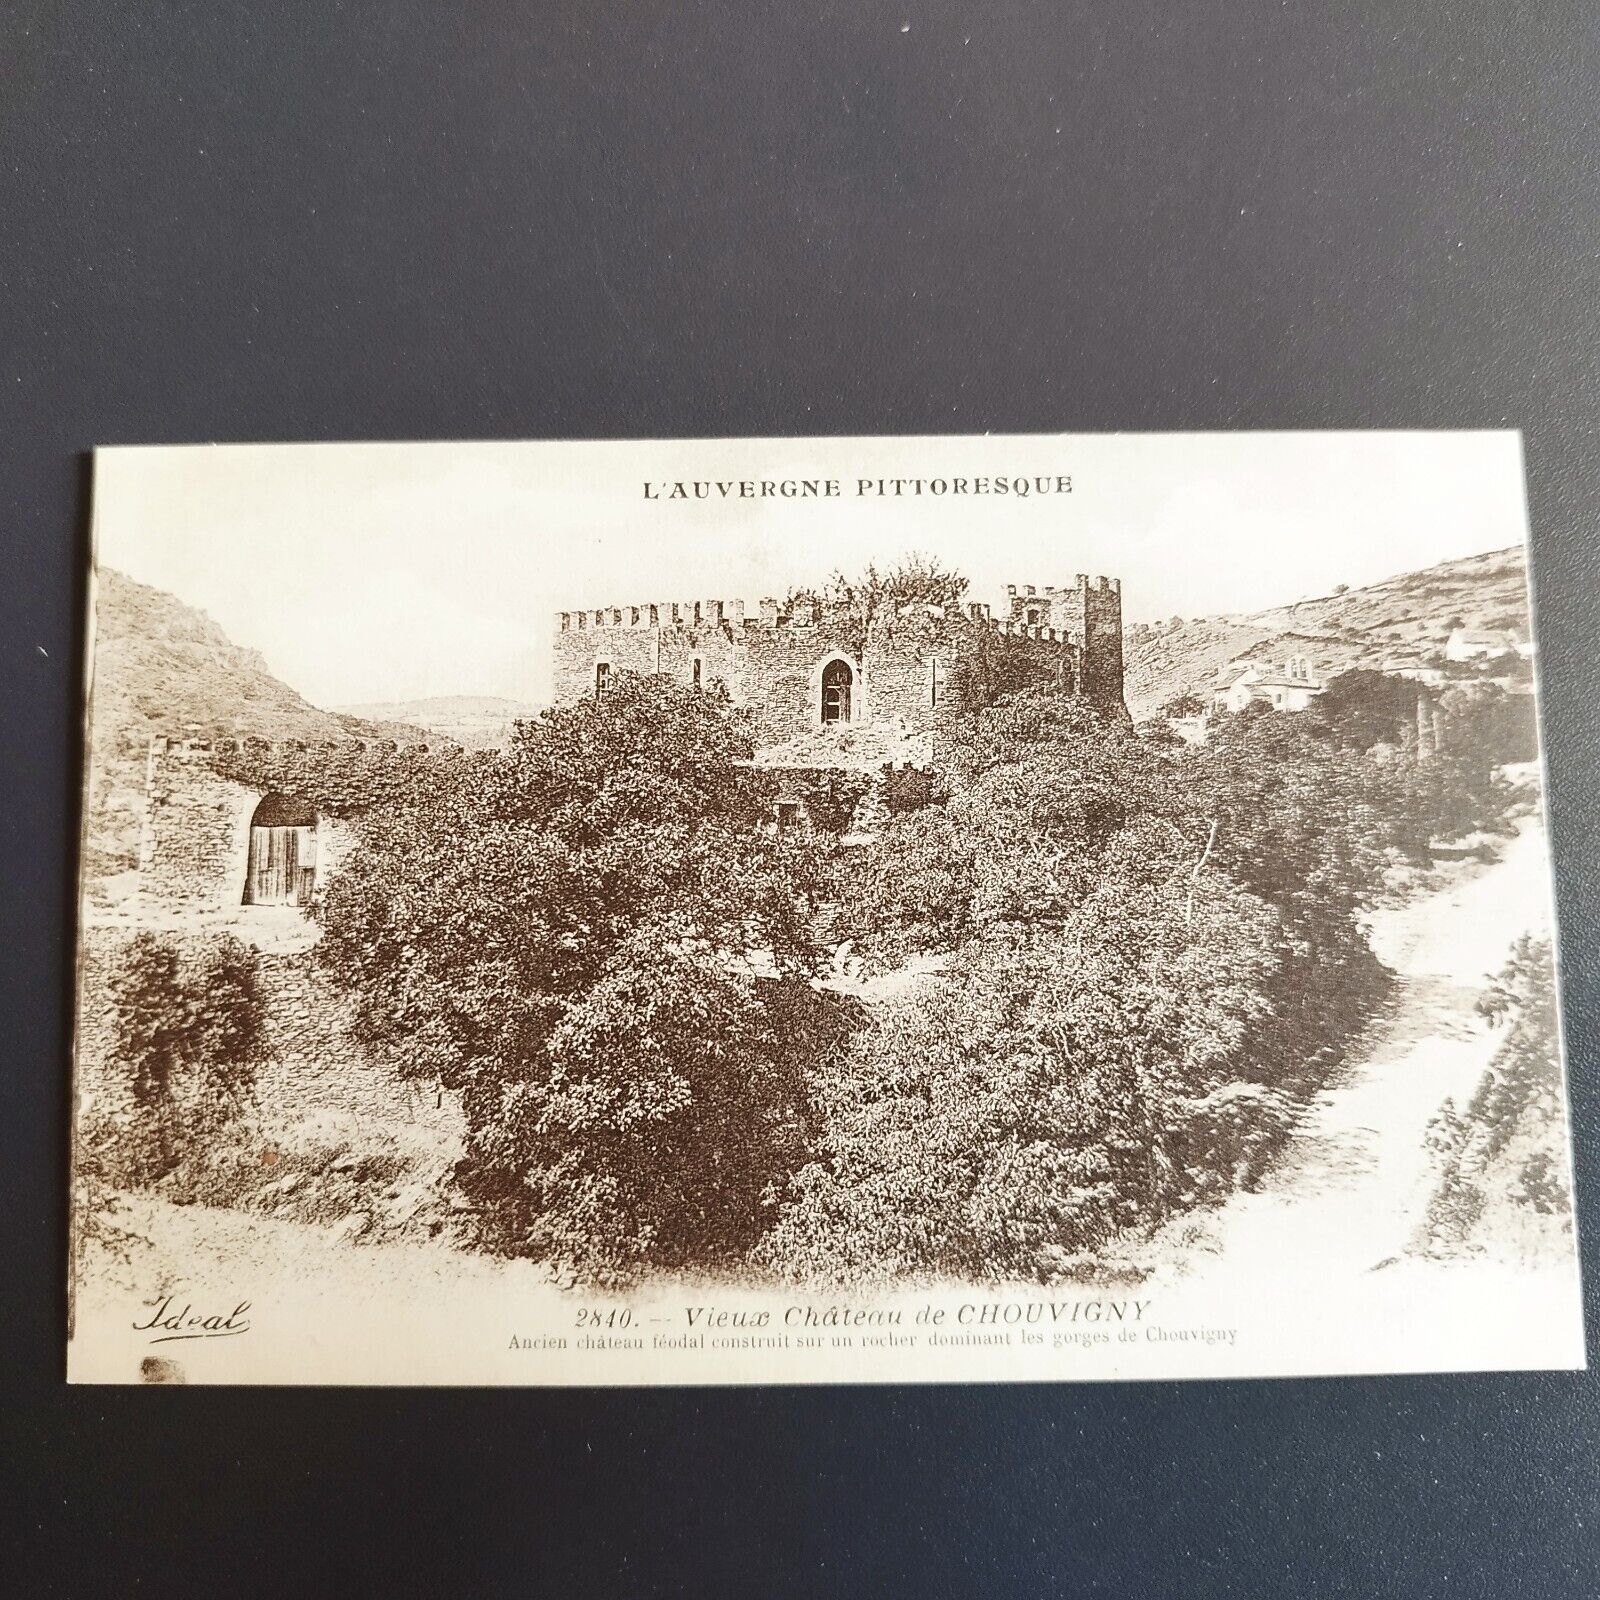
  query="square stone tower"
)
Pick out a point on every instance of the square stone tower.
point(1089, 614)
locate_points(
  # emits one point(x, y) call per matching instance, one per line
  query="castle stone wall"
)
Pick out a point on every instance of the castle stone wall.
point(905, 667)
point(194, 848)
point(313, 1064)
point(781, 676)
point(195, 840)
point(1089, 613)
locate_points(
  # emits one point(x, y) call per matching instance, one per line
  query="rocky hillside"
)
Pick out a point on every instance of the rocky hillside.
point(161, 667)
point(1412, 614)
point(477, 722)
point(1419, 609)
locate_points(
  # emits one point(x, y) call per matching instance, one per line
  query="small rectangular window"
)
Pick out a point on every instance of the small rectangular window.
point(788, 813)
point(602, 677)
point(697, 672)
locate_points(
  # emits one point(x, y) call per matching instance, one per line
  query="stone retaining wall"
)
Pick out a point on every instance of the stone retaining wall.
point(312, 1065)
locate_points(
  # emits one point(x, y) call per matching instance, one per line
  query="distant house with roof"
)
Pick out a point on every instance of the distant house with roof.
point(1472, 644)
point(1246, 682)
point(1418, 668)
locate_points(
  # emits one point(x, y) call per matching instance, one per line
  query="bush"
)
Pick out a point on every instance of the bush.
point(1509, 1146)
point(912, 789)
point(1060, 1086)
point(673, 1110)
point(186, 1039)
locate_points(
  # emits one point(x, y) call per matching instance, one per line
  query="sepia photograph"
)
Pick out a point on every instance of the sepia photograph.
point(969, 909)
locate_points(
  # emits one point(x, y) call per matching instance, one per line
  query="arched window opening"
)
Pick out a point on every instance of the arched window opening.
point(698, 664)
point(602, 678)
point(837, 679)
point(283, 853)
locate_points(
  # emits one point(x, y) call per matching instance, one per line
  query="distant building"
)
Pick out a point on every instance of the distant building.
point(1245, 682)
point(1417, 668)
point(1470, 644)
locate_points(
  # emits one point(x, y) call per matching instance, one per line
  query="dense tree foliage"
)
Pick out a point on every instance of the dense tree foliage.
point(874, 592)
point(1456, 790)
point(1363, 708)
point(1154, 950)
point(598, 945)
point(1065, 1081)
point(1149, 954)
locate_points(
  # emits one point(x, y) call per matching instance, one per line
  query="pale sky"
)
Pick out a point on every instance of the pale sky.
point(399, 571)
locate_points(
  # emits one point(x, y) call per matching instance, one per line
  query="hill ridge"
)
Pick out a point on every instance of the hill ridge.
point(1410, 613)
point(161, 666)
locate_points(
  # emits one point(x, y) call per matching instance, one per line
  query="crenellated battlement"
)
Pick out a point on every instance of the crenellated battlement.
point(655, 614)
point(1081, 584)
point(1026, 630)
point(197, 749)
point(733, 615)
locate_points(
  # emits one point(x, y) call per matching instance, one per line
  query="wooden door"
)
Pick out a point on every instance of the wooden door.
point(276, 874)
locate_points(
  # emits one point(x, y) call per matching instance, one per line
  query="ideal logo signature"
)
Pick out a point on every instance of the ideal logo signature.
point(167, 1322)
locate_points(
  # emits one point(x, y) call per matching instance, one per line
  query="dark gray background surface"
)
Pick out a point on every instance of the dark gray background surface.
point(301, 219)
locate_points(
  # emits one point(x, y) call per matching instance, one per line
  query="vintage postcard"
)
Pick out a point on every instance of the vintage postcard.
point(816, 910)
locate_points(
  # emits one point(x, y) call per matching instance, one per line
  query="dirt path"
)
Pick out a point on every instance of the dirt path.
point(1352, 1188)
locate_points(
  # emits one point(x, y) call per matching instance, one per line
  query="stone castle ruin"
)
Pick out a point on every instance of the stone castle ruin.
point(826, 681)
point(233, 827)
point(852, 715)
